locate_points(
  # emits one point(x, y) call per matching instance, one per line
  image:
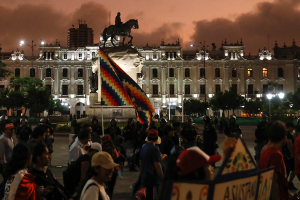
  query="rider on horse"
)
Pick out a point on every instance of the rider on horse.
point(118, 22)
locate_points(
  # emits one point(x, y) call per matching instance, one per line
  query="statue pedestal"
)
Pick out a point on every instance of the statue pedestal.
point(93, 99)
point(121, 113)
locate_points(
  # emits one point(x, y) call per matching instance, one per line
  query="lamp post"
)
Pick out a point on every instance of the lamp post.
point(269, 96)
point(22, 43)
point(204, 55)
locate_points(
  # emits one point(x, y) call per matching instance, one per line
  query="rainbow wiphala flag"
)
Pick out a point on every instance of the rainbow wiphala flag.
point(119, 89)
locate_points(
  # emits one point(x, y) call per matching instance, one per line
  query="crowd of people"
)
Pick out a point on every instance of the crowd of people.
point(170, 152)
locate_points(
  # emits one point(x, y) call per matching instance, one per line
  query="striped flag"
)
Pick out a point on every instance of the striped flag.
point(112, 89)
point(118, 84)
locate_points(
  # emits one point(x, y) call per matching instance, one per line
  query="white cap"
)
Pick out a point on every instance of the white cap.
point(96, 146)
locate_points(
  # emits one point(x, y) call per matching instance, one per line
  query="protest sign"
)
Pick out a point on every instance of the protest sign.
point(190, 191)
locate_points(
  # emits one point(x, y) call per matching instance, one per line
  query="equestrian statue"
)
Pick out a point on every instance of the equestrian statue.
point(120, 29)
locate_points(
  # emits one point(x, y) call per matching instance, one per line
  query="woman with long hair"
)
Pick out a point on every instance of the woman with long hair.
point(20, 184)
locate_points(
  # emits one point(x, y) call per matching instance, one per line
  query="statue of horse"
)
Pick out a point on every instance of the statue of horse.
point(125, 31)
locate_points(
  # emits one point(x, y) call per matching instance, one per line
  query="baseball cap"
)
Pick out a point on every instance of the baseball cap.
point(158, 141)
point(194, 158)
point(152, 133)
point(104, 160)
point(9, 126)
point(96, 146)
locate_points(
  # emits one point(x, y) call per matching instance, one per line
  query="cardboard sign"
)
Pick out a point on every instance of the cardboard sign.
point(239, 159)
point(237, 179)
point(265, 184)
point(244, 188)
point(189, 191)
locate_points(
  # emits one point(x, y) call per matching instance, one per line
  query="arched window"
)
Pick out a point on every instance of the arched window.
point(154, 73)
point(202, 72)
point(217, 72)
point(280, 72)
point(265, 72)
point(80, 72)
point(48, 72)
point(233, 72)
point(250, 72)
point(171, 72)
point(17, 72)
point(32, 72)
point(65, 72)
point(187, 72)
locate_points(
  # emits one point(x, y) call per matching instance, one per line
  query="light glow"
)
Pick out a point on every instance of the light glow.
point(22, 42)
point(281, 95)
point(269, 96)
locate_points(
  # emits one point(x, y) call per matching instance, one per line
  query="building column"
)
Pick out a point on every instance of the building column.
point(226, 78)
point(72, 80)
point(163, 85)
point(87, 75)
point(56, 78)
point(242, 80)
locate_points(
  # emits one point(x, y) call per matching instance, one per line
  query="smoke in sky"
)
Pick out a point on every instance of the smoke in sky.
point(279, 20)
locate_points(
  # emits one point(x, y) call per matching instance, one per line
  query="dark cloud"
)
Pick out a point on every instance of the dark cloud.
point(168, 32)
point(36, 22)
point(280, 19)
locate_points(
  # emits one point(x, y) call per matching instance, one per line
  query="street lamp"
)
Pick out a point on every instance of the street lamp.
point(204, 55)
point(269, 96)
point(22, 43)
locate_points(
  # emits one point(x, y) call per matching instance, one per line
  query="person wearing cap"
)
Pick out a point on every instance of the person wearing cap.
point(6, 147)
point(77, 148)
point(77, 171)
point(50, 188)
point(151, 170)
point(109, 147)
point(24, 131)
point(232, 129)
point(209, 137)
point(102, 170)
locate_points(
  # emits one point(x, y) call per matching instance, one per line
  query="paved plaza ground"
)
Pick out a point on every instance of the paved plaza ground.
point(122, 188)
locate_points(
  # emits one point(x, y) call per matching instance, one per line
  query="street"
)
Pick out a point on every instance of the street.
point(122, 188)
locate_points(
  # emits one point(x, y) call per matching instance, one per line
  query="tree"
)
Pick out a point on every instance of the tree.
point(3, 71)
point(38, 100)
point(55, 105)
point(253, 106)
point(194, 106)
point(235, 101)
point(219, 102)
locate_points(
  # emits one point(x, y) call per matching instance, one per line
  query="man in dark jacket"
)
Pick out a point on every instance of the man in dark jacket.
point(209, 137)
point(96, 130)
point(189, 135)
point(261, 137)
point(24, 131)
point(161, 128)
point(232, 129)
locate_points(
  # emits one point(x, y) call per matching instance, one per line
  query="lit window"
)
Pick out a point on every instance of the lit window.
point(250, 72)
point(265, 72)
point(80, 55)
point(65, 56)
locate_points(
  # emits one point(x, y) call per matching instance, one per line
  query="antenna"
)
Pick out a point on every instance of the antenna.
point(109, 18)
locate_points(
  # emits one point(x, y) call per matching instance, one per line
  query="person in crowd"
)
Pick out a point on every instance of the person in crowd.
point(50, 188)
point(189, 134)
point(167, 142)
point(232, 129)
point(161, 128)
point(48, 137)
point(114, 132)
point(297, 128)
point(151, 170)
point(102, 171)
point(6, 150)
point(24, 131)
point(297, 158)
point(128, 130)
point(209, 137)
point(96, 130)
point(223, 124)
point(289, 147)
point(77, 148)
point(131, 140)
point(108, 146)
point(4, 121)
point(20, 183)
point(177, 130)
point(38, 136)
point(272, 157)
point(216, 122)
point(78, 171)
point(261, 137)
point(152, 125)
point(76, 126)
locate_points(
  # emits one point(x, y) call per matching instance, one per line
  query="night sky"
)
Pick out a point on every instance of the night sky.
point(190, 21)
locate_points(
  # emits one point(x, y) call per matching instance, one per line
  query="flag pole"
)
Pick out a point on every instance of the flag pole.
point(100, 89)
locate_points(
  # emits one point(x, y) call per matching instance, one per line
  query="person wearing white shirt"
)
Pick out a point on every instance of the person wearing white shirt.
point(102, 170)
point(77, 148)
